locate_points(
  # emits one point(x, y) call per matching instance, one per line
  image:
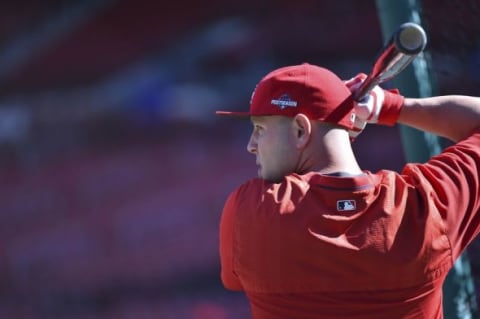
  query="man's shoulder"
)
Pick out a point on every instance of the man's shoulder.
point(261, 185)
point(258, 194)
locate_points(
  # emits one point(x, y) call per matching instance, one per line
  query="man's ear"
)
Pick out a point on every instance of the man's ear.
point(302, 129)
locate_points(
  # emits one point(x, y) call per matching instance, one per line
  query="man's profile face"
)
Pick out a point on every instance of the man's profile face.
point(272, 142)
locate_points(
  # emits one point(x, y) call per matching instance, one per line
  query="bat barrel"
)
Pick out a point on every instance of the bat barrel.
point(405, 44)
point(410, 38)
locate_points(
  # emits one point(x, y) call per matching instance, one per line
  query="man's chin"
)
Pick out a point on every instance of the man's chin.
point(269, 178)
point(259, 172)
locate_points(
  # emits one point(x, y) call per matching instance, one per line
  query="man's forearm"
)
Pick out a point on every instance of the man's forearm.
point(450, 116)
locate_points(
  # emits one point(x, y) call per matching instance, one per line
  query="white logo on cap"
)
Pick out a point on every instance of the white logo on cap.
point(284, 101)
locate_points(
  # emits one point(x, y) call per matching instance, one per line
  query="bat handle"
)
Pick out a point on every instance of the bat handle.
point(365, 88)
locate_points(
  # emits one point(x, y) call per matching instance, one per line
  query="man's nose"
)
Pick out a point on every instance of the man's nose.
point(252, 145)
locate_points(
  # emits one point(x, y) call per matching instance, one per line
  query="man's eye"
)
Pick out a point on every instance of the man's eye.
point(258, 129)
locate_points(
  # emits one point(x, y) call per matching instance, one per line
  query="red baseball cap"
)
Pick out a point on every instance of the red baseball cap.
point(312, 90)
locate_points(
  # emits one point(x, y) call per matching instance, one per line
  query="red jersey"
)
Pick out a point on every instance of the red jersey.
point(371, 246)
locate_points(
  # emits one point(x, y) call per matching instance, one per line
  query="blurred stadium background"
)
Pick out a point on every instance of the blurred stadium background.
point(113, 167)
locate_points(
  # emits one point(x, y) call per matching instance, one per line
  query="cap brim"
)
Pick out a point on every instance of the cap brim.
point(234, 114)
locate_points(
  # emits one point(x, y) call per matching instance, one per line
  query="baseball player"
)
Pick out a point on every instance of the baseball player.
point(315, 236)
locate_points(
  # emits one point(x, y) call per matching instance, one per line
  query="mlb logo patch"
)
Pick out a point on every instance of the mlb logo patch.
point(346, 205)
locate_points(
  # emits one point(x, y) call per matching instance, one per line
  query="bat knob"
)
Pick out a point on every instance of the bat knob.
point(410, 38)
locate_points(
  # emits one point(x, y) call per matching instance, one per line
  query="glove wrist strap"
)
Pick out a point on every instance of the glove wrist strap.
point(391, 107)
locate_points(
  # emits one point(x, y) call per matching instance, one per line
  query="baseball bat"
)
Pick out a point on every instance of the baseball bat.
point(405, 44)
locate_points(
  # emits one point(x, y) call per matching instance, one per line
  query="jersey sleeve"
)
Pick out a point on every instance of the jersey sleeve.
point(451, 182)
point(229, 278)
